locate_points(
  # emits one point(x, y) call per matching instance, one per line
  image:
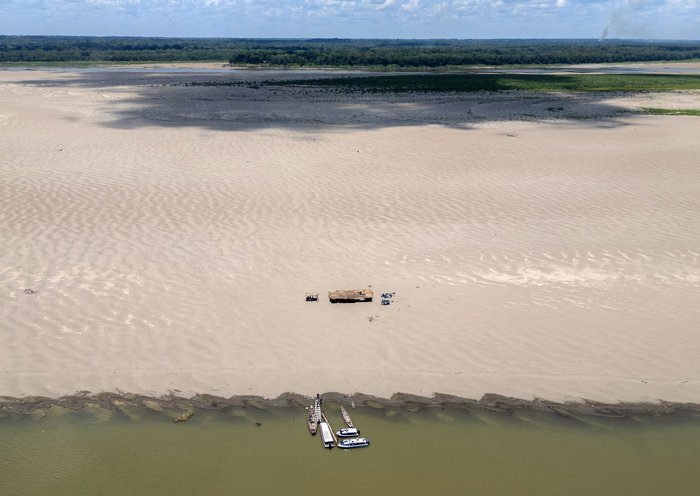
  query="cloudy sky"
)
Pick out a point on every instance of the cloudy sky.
point(663, 19)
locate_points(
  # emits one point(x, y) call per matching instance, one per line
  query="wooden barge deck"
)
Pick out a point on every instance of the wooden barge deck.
point(350, 295)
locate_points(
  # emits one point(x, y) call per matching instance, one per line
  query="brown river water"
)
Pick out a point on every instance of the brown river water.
point(256, 451)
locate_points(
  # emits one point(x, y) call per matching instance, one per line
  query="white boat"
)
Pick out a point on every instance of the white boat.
point(357, 442)
point(326, 435)
point(349, 432)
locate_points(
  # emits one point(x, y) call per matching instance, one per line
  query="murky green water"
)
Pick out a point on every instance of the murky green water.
point(433, 452)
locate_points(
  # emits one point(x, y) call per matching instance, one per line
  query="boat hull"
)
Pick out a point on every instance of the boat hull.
point(313, 421)
point(348, 432)
point(327, 435)
point(351, 445)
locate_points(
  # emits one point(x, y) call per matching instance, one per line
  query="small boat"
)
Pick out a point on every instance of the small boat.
point(349, 432)
point(317, 408)
point(313, 423)
point(346, 416)
point(358, 442)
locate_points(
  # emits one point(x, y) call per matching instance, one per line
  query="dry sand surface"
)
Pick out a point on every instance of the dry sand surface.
point(539, 245)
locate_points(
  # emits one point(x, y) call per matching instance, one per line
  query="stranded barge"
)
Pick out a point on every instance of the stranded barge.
point(350, 295)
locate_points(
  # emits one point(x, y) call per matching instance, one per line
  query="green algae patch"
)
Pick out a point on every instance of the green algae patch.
point(470, 82)
point(664, 111)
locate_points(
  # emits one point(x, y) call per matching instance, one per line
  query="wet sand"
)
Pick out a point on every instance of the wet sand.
point(182, 409)
point(540, 246)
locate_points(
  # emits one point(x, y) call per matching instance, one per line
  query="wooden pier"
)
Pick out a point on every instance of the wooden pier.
point(350, 295)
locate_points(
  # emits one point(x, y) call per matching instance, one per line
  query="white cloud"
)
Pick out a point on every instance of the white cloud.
point(411, 5)
point(357, 18)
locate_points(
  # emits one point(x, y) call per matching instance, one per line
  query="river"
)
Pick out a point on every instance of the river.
point(270, 451)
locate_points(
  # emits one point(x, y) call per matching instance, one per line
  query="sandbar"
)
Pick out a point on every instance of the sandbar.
point(158, 237)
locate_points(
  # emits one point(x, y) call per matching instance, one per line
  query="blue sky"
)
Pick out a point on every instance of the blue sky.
point(662, 19)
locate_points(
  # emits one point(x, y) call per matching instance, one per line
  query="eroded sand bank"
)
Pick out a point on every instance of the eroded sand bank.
point(539, 245)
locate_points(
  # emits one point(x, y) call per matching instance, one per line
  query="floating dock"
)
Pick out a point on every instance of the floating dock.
point(350, 295)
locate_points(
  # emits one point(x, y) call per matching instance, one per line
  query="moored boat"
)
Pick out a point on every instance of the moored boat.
point(327, 435)
point(317, 408)
point(357, 442)
point(346, 416)
point(313, 422)
point(349, 432)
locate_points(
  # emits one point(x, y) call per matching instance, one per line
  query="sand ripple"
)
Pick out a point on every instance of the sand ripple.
point(529, 258)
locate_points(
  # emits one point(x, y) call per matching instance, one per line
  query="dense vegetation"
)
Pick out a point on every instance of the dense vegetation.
point(442, 53)
point(112, 49)
point(503, 82)
point(338, 52)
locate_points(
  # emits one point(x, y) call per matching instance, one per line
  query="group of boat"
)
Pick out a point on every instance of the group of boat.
point(349, 435)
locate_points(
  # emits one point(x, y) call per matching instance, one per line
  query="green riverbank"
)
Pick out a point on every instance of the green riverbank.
point(470, 82)
point(246, 450)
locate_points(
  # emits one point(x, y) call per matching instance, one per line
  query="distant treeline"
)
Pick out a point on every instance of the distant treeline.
point(113, 49)
point(339, 52)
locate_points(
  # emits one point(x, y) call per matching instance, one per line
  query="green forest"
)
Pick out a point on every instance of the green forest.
point(337, 52)
point(504, 82)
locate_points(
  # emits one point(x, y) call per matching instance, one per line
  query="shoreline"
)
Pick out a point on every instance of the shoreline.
point(181, 409)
